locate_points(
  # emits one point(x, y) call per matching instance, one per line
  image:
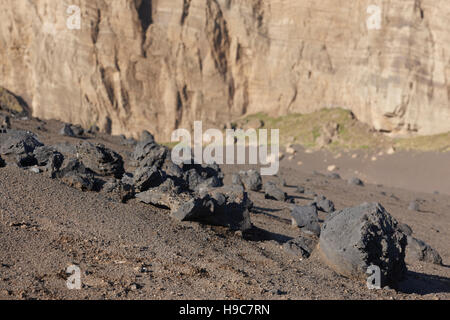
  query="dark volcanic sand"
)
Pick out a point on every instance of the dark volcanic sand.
point(135, 251)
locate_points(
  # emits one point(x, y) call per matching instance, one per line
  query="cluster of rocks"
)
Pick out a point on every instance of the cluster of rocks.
point(191, 191)
point(353, 239)
point(349, 240)
point(252, 181)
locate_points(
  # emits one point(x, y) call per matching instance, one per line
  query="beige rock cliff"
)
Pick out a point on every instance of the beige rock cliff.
point(162, 64)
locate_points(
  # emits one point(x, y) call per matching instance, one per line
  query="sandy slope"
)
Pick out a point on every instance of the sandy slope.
point(137, 251)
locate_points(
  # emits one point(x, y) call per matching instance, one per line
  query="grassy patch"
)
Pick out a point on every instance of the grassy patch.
point(309, 129)
point(9, 102)
point(439, 142)
point(336, 130)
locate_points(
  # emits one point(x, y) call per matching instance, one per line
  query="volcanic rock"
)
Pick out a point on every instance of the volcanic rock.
point(301, 247)
point(224, 207)
point(274, 193)
point(356, 181)
point(353, 239)
point(18, 142)
point(145, 178)
point(48, 157)
point(306, 218)
point(101, 160)
point(119, 189)
point(417, 250)
point(76, 175)
point(18, 147)
point(67, 131)
point(251, 179)
point(149, 153)
point(77, 130)
point(323, 204)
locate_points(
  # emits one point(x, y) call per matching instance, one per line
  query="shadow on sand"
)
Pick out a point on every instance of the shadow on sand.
point(422, 284)
point(265, 211)
point(258, 234)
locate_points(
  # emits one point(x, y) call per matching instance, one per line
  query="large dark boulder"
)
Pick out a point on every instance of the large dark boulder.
point(147, 137)
point(200, 177)
point(77, 130)
point(353, 239)
point(236, 179)
point(67, 149)
point(101, 160)
point(223, 206)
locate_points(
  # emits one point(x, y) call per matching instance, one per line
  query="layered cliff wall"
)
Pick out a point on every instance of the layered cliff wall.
point(161, 64)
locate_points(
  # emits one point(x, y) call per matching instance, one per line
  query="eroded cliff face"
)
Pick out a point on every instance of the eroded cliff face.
point(161, 64)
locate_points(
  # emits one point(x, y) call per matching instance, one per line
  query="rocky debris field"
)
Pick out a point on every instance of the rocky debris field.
point(141, 226)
